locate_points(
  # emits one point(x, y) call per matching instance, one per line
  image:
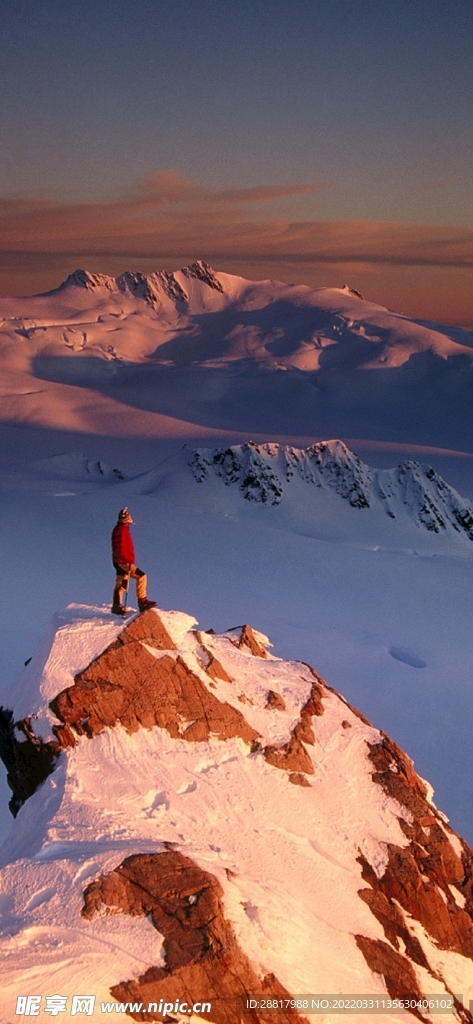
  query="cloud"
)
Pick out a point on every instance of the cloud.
point(171, 188)
point(166, 221)
point(167, 214)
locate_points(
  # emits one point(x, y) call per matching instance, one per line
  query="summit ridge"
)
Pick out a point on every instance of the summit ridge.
point(150, 287)
point(167, 823)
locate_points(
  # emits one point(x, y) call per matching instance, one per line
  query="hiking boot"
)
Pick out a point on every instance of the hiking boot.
point(118, 610)
point(144, 604)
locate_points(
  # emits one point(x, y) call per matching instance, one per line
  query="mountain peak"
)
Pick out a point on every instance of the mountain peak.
point(203, 272)
point(266, 473)
point(166, 801)
point(352, 291)
point(85, 279)
point(151, 287)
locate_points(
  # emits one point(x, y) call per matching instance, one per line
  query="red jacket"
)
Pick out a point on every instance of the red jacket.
point(123, 551)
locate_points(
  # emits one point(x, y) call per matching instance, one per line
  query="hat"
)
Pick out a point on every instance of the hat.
point(124, 516)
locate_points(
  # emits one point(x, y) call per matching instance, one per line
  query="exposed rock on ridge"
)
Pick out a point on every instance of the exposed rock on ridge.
point(128, 685)
point(426, 881)
point(203, 958)
point(28, 760)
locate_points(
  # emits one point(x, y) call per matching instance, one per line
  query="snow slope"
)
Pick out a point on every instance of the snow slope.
point(170, 351)
point(289, 858)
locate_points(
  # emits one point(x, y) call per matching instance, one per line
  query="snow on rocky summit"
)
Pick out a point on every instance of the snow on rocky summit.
point(200, 822)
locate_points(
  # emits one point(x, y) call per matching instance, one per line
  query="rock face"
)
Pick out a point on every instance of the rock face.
point(203, 959)
point(425, 876)
point(128, 685)
point(28, 761)
point(427, 880)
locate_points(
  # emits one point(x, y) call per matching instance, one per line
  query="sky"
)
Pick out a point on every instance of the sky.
point(302, 140)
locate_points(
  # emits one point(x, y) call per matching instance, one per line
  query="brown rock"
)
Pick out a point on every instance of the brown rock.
point(128, 685)
point(148, 628)
point(420, 876)
point(313, 705)
point(398, 973)
point(216, 671)
point(394, 925)
point(303, 730)
point(213, 667)
point(292, 757)
point(298, 780)
point(395, 773)
point(274, 701)
point(248, 639)
point(416, 884)
point(203, 959)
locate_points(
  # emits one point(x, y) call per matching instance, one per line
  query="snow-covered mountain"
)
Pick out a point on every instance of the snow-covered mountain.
point(202, 822)
point(304, 482)
point(173, 352)
point(263, 473)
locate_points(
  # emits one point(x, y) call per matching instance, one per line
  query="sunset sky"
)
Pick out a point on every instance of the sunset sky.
point(312, 141)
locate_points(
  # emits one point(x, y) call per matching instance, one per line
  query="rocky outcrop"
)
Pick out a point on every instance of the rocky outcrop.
point(248, 639)
point(292, 756)
point(203, 960)
point(202, 271)
point(275, 702)
point(396, 970)
point(427, 880)
point(28, 760)
point(149, 287)
point(209, 662)
point(419, 887)
point(127, 685)
point(298, 780)
point(130, 686)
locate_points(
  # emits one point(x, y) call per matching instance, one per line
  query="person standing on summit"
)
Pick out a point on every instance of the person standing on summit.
point(123, 557)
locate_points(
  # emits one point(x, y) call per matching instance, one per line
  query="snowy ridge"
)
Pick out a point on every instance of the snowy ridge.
point(150, 287)
point(432, 502)
point(271, 474)
point(254, 467)
point(261, 472)
point(306, 877)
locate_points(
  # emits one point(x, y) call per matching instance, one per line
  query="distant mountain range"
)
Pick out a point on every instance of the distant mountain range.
point(217, 351)
point(302, 480)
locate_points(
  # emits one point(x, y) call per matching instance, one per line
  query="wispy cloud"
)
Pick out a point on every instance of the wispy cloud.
point(165, 214)
point(165, 221)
